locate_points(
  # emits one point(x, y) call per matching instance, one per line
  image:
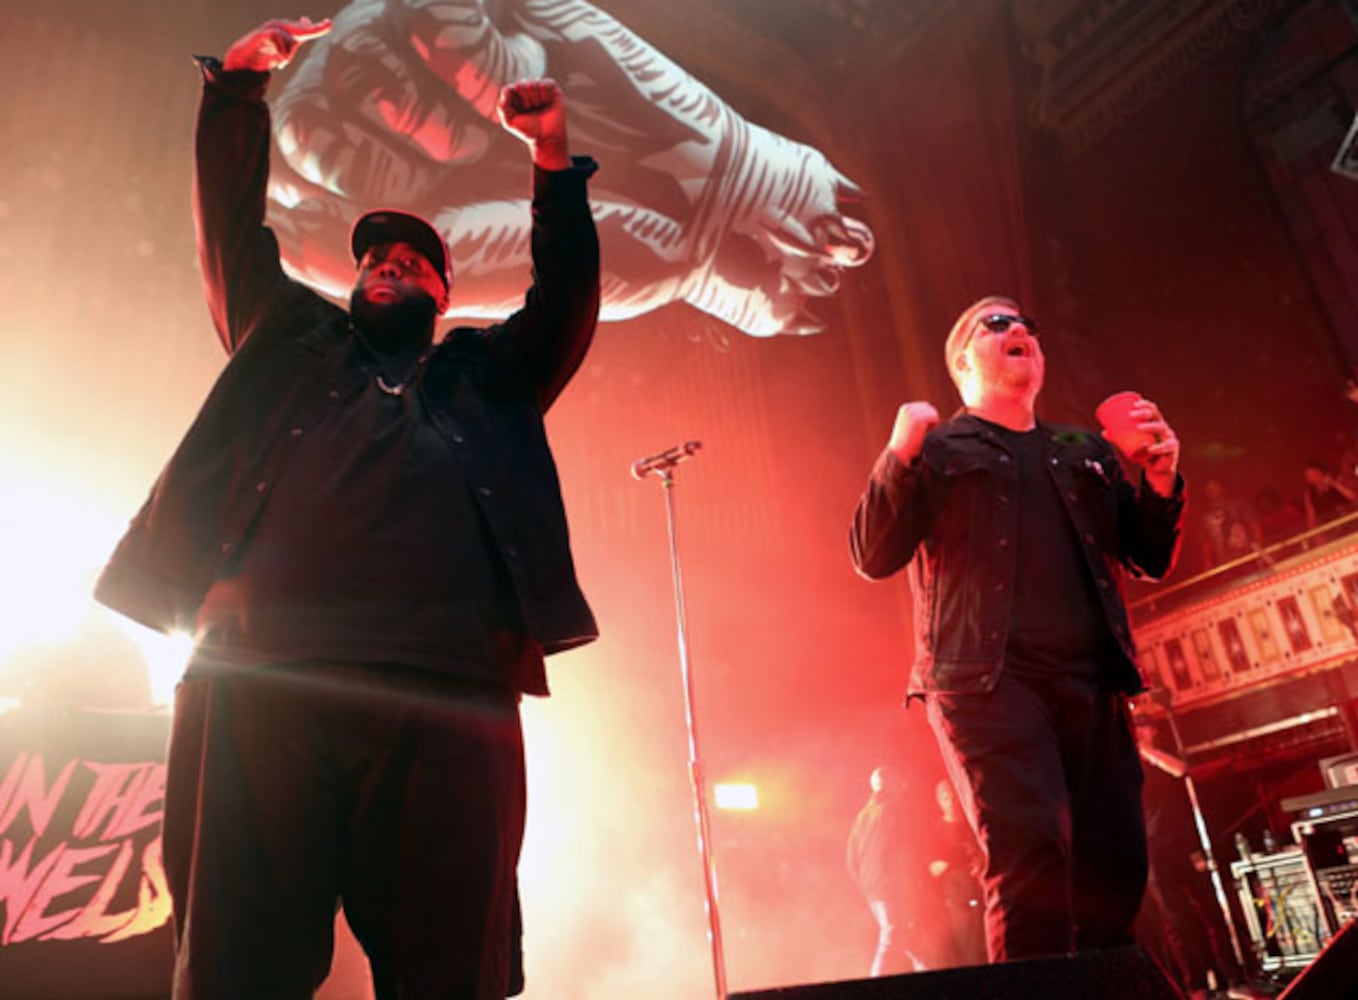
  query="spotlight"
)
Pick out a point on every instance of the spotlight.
point(736, 797)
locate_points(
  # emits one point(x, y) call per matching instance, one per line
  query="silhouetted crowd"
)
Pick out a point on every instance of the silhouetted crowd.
point(1227, 527)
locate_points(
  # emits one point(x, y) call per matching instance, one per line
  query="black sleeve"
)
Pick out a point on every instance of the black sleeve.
point(243, 279)
point(1149, 526)
point(546, 339)
point(892, 517)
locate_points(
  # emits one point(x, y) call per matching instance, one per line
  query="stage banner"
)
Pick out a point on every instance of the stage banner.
point(84, 906)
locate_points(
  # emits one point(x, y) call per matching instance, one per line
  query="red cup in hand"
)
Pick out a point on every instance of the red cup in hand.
point(1119, 423)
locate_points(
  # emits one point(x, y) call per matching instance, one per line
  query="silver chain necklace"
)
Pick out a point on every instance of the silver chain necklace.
point(379, 377)
point(400, 387)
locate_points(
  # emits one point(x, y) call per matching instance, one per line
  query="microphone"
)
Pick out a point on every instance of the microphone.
point(664, 460)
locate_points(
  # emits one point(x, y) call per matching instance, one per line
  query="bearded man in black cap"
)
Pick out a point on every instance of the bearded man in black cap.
point(365, 532)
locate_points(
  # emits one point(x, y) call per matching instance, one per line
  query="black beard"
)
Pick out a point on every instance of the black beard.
point(407, 323)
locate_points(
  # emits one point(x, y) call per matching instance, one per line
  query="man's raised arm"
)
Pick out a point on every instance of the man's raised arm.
point(548, 337)
point(237, 254)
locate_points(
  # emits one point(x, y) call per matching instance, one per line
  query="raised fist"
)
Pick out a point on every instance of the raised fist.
point(913, 421)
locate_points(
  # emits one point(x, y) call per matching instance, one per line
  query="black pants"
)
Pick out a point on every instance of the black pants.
point(1048, 774)
point(292, 790)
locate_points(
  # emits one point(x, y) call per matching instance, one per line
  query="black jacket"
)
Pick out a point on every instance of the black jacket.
point(952, 514)
point(292, 358)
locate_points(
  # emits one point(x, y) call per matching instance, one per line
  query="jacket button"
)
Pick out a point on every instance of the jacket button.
point(458, 439)
point(483, 490)
point(226, 547)
point(1054, 461)
point(1089, 537)
point(1004, 458)
point(1072, 496)
point(1103, 583)
point(261, 486)
point(333, 394)
point(296, 432)
point(1003, 542)
point(1003, 499)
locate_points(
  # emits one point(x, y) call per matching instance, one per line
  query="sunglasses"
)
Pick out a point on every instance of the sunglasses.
point(1001, 322)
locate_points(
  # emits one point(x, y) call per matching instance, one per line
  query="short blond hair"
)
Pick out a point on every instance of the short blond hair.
point(961, 333)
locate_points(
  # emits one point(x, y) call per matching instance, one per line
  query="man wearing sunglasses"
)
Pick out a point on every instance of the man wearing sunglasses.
point(1018, 535)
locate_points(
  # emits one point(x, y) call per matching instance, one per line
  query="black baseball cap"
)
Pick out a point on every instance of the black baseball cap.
point(386, 225)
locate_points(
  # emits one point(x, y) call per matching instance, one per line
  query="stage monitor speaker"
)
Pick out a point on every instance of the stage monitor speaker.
point(1333, 975)
point(1116, 974)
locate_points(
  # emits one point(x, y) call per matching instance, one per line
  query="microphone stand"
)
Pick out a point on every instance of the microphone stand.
point(663, 467)
point(1204, 840)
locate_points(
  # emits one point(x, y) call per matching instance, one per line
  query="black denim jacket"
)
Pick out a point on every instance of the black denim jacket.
point(293, 357)
point(952, 514)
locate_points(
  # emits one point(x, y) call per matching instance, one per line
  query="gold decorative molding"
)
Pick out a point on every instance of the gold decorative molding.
point(1107, 59)
point(1295, 619)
